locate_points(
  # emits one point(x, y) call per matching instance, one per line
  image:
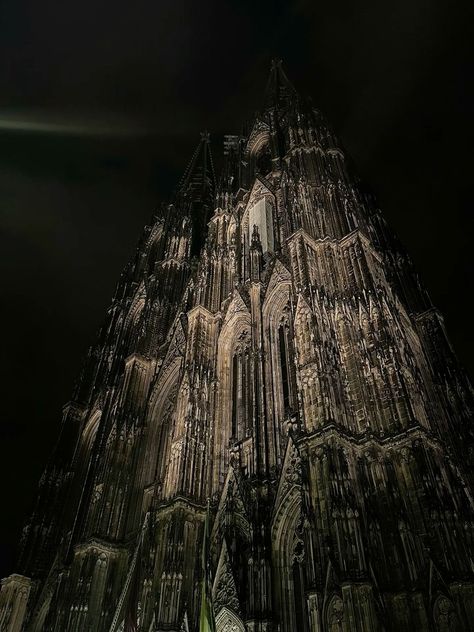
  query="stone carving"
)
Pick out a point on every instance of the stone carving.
point(299, 379)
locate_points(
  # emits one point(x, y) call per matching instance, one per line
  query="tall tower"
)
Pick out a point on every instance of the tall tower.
point(269, 349)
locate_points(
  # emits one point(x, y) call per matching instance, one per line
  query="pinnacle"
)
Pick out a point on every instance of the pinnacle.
point(276, 63)
point(205, 136)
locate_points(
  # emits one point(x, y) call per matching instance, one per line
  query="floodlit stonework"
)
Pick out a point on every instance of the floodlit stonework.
point(269, 348)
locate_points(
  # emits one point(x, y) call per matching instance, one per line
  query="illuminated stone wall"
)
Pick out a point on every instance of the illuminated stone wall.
point(297, 376)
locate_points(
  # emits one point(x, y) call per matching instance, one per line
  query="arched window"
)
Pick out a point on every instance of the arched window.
point(228, 621)
point(282, 342)
point(241, 381)
point(299, 583)
point(286, 357)
point(235, 391)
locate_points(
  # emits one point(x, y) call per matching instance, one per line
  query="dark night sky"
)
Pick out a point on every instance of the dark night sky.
point(101, 104)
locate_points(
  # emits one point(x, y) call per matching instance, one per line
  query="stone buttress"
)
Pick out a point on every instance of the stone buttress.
point(270, 348)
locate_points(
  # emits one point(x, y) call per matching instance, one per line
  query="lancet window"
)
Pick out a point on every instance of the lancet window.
point(299, 584)
point(286, 357)
point(241, 387)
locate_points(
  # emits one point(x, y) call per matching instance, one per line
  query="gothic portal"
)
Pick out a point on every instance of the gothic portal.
point(269, 348)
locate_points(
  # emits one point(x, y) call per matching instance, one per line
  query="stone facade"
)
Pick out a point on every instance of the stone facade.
point(269, 348)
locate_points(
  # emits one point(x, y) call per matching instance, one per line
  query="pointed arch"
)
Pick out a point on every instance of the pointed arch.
point(280, 368)
point(131, 320)
point(225, 590)
point(232, 495)
point(88, 434)
point(228, 621)
point(234, 404)
point(136, 307)
point(259, 137)
point(287, 547)
point(84, 449)
point(160, 421)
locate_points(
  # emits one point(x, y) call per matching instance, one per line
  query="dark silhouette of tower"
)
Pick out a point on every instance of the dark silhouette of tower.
point(269, 348)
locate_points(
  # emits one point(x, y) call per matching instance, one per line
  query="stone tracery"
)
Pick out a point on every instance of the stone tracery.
point(299, 378)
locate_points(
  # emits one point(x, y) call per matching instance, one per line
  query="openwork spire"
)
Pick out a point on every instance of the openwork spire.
point(195, 194)
point(198, 181)
point(279, 91)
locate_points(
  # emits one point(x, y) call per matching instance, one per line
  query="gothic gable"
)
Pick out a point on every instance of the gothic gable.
point(289, 486)
point(279, 278)
point(232, 499)
point(236, 308)
point(302, 309)
point(176, 345)
point(227, 621)
point(259, 190)
point(225, 588)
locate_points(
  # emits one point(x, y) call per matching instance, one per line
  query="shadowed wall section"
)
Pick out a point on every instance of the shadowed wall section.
point(295, 374)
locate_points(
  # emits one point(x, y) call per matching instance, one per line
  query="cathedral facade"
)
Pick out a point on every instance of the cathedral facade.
point(269, 351)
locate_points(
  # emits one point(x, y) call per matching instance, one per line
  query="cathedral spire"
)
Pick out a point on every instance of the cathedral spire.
point(279, 90)
point(293, 375)
point(198, 180)
point(195, 194)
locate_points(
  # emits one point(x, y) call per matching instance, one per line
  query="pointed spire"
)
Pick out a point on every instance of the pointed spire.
point(195, 193)
point(279, 90)
point(198, 180)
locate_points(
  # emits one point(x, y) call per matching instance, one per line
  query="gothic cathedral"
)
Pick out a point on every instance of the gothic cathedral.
point(269, 351)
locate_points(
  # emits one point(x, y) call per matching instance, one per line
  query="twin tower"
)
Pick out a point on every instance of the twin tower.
point(269, 349)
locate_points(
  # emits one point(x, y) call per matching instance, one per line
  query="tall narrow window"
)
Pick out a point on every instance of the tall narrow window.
point(249, 411)
point(285, 378)
point(235, 394)
point(299, 594)
point(241, 384)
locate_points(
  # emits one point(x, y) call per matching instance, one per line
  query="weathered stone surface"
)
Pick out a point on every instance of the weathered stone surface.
point(303, 384)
